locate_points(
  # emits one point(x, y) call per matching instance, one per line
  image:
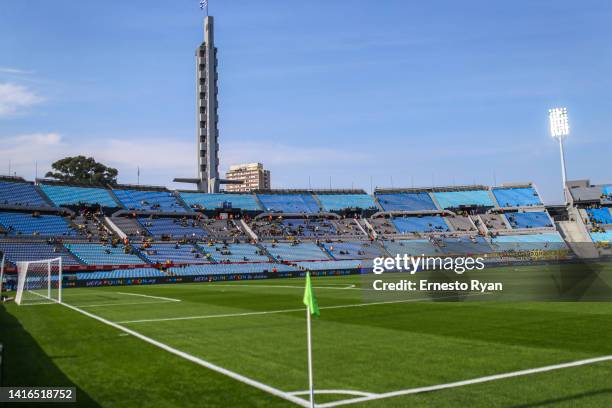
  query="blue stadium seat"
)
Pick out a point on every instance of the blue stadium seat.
point(332, 265)
point(173, 227)
point(289, 203)
point(42, 225)
point(517, 197)
point(305, 251)
point(464, 245)
point(229, 269)
point(135, 273)
point(353, 250)
point(70, 195)
point(214, 201)
point(96, 254)
point(337, 202)
point(536, 219)
point(426, 223)
point(599, 215)
point(175, 253)
point(35, 251)
point(414, 247)
point(419, 201)
point(235, 253)
point(149, 200)
point(20, 194)
point(469, 198)
point(605, 236)
point(548, 241)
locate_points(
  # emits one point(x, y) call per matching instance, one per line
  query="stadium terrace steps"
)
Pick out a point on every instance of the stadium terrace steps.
point(130, 226)
point(21, 194)
point(408, 201)
point(337, 202)
point(306, 251)
point(525, 220)
point(289, 203)
point(521, 242)
point(494, 221)
point(41, 225)
point(35, 251)
point(142, 200)
point(517, 197)
point(96, 254)
point(414, 247)
point(62, 195)
point(220, 200)
point(421, 224)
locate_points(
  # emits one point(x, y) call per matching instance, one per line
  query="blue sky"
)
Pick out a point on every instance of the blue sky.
point(399, 92)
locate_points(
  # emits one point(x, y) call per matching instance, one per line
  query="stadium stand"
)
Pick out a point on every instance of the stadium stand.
point(466, 198)
point(35, 224)
point(33, 251)
point(220, 200)
point(306, 251)
point(173, 227)
point(289, 203)
point(149, 200)
point(135, 273)
point(89, 226)
point(383, 226)
point(331, 265)
point(338, 202)
point(353, 250)
point(62, 195)
point(460, 223)
point(605, 236)
point(236, 253)
point(517, 197)
point(464, 245)
point(406, 201)
point(222, 230)
point(229, 269)
point(599, 215)
point(130, 226)
point(494, 221)
point(308, 227)
point(426, 223)
point(547, 241)
point(96, 254)
point(172, 253)
point(414, 247)
point(535, 219)
point(22, 194)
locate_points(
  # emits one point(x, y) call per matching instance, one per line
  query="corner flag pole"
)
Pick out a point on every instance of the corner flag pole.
point(312, 308)
point(310, 378)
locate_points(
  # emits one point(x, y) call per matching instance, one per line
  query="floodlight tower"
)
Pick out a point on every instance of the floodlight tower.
point(559, 129)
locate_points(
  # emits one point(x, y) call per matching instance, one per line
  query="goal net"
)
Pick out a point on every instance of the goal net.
point(39, 281)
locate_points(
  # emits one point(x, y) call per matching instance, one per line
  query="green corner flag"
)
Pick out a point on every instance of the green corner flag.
point(309, 300)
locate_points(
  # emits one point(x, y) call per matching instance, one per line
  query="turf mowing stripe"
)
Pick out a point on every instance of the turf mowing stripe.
point(168, 319)
point(246, 380)
point(125, 303)
point(149, 296)
point(468, 382)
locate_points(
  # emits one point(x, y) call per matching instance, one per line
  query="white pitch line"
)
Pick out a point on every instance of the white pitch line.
point(126, 303)
point(338, 392)
point(467, 382)
point(167, 319)
point(149, 296)
point(238, 377)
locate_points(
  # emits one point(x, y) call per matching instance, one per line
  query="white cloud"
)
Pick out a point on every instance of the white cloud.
point(15, 97)
point(16, 71)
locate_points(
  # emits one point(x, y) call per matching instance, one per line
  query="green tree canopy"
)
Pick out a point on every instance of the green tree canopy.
point(81, 169)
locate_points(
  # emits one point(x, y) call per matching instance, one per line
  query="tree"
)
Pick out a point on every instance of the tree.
point(81, 169)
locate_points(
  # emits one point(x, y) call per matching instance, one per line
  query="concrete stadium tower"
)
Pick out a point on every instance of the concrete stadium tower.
point(207, 119)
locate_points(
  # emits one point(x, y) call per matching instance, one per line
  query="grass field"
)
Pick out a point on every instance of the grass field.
point(257, 330)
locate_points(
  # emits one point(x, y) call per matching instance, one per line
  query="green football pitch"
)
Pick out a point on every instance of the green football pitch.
point(243, 344)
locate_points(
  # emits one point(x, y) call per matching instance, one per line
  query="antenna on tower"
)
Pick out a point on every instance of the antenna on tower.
point(204, 6)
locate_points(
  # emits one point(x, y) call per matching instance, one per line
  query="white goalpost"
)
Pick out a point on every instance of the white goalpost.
point(2, 274)
point(39, 282)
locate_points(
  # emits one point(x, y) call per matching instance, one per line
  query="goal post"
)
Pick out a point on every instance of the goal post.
point(2, 273)
point(39, 282)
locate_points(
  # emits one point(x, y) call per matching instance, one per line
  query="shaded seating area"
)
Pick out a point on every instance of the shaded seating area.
point(220, 200)
point(536, 219)
point(34, 224)
point(62, 195)
point(20, 194)
point(289, 203)
point(517, 197)
point(408, 201)
point(425, 223)
point(149, 200)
